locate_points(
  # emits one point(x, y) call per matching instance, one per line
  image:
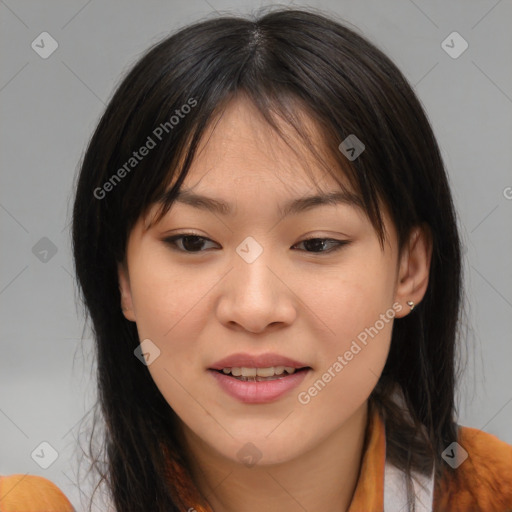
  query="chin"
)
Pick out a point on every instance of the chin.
point(261, 451)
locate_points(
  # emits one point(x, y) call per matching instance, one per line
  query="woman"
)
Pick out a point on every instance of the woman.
point(266, 243)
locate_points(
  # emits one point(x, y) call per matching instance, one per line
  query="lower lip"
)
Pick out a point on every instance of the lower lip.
point(258, 392)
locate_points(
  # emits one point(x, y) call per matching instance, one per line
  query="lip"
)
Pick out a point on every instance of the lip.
point(256, 361)
point(258, 392)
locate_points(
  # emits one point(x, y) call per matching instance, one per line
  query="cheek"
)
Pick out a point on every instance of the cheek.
point(170, 311)
point(352, 298)
point(167, 298)
point(357, 314)
point(351, 357)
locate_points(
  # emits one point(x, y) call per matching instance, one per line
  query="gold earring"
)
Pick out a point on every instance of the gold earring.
point(410, 303)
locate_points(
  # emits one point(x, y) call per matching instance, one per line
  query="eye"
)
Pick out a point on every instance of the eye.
point(318, 244)
point(192, 243)
point(187, 242)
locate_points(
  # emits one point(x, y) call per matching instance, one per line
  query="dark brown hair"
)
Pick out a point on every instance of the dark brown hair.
point(287, 62)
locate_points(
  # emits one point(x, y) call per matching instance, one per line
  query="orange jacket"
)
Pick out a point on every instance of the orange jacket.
point(483, 482)
point(30, 493)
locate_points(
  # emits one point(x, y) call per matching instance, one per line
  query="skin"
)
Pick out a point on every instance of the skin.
point(200, 307)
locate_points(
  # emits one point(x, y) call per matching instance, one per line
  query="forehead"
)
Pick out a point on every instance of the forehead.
point(239, 150)
point(244, 169)
point(243, 162)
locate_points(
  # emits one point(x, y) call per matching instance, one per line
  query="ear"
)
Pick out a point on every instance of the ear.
point(414, 268)
point(126, 294)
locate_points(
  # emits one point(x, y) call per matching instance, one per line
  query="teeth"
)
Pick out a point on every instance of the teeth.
point(278, 370)
point(248, 372)
point(260, 372)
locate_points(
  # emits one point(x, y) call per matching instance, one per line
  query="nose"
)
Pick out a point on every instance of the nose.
point(257, 296)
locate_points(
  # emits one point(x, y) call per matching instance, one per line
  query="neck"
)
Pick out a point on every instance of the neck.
point(313, 481)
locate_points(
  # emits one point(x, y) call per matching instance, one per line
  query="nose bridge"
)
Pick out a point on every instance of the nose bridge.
point(255, 296)
point(252, 270)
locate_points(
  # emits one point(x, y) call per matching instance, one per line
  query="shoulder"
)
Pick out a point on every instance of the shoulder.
point(31, 493)
point(481, 476)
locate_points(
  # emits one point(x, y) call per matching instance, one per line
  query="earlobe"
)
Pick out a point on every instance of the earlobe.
point(125, 291)
point(413, 274)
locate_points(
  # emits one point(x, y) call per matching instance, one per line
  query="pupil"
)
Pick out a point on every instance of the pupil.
point(192, 246)
point(316, 243)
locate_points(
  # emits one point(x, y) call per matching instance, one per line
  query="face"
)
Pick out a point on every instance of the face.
point(249, 282)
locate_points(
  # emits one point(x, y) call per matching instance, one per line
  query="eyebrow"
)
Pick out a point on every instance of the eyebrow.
point(292, 207)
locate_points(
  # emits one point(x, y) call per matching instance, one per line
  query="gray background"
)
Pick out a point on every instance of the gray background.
point(49, 108)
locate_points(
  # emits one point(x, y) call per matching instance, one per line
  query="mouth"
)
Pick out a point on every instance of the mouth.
point(258, 379)
point(257, 389)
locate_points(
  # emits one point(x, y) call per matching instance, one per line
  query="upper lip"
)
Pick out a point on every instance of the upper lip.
point(242, 360)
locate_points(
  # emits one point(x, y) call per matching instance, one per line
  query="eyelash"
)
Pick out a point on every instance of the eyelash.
point(171, 241)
